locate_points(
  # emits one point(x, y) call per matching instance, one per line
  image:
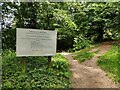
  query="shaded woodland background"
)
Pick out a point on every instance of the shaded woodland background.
point(79, 25)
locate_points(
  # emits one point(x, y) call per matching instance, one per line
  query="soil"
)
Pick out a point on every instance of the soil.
point(88, 74)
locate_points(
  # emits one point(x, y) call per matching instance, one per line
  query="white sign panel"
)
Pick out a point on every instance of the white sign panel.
point(33, 42)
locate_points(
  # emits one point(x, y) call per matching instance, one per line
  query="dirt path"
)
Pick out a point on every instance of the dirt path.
point(88, 74)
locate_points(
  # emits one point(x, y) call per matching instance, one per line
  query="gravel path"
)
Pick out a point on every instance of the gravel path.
point(88, 74)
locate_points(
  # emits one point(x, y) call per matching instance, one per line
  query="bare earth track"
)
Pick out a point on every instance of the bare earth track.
point(88, 74)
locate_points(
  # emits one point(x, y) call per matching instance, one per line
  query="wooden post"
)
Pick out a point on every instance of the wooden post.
point(23, 65)
point(49, 61)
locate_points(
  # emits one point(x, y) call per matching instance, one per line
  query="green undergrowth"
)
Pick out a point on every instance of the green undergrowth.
point(110, 62)
point(0, 71)
point(37, 74)
point(84, 54)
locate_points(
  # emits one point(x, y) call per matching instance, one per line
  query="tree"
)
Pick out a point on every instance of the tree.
point(92, 22)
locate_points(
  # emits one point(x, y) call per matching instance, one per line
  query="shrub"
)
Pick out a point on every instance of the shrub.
point(37, 73)
point(81, 42)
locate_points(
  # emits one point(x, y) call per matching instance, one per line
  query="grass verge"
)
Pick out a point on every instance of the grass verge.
point(110, 62)
point(84, 54)
point(37, 74)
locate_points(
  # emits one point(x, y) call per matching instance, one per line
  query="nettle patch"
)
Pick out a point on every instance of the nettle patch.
point(37, 74)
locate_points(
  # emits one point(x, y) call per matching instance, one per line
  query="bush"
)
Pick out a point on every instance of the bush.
point(37, 73)
point(80, 42)
point(111, 35)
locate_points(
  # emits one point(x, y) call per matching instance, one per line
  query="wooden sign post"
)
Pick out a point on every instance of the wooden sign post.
point(49, 61)
point(23, 65)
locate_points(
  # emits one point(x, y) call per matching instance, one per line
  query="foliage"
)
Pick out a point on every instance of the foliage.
point(92, 21)
point(110, 62)
point(81, 42)
point(65, 28)
point(9, 36)
point(37, 74)
point(110, 34)
point(84, 55)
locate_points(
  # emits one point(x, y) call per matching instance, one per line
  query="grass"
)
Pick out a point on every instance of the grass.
point(110, 62)
point(84, 54)
point(0, 71)
point(37, 74)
